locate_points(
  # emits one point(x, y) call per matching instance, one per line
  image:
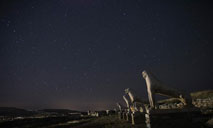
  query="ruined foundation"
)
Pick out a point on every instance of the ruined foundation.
point(138, 118)
point(175, 118)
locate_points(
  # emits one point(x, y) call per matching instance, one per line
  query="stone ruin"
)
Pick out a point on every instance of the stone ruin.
point(203, 103)
point(177, 111)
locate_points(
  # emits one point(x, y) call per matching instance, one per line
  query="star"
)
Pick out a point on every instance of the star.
point(124, 14)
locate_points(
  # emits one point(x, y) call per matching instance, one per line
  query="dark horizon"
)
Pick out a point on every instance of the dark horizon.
point(82, 54)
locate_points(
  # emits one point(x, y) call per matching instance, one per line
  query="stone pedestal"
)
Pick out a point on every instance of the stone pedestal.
point(124, 115)
point(128, 116)
point(120, 115)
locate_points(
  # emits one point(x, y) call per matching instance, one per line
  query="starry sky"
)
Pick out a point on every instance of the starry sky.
point(82, 54)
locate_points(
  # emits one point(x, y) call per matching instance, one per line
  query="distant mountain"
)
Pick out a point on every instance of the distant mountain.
point(11, 111)
point(60, 111)
point(15, 112)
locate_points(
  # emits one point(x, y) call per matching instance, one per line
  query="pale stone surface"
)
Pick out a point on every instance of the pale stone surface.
point(137, 104)
point(155, 86)
point(126, 101)
point(120, 107)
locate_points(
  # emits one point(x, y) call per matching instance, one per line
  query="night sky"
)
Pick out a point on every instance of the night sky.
point(82, 54)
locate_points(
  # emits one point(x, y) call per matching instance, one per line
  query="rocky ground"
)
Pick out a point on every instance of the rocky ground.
point(114, 122)
point(67, 122)
point(86, 122)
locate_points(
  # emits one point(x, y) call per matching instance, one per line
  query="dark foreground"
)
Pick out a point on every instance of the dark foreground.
point(69, 122)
